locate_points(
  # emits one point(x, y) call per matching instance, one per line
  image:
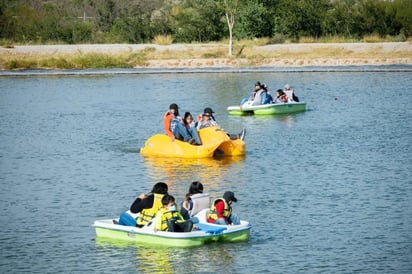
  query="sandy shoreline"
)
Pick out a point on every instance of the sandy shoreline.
point(349, 54)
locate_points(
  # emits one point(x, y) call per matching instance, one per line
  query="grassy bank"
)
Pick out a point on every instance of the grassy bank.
point(252, 53)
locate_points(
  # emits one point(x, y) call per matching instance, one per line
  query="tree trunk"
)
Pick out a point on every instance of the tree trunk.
point(230, 11)
point(230, 24)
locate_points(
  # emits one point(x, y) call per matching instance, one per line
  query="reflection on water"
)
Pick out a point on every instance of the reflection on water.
point(209, 171)
point(172, 260)
point(287, 119)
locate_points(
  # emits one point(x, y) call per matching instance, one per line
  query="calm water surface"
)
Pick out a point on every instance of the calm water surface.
point(328, 190)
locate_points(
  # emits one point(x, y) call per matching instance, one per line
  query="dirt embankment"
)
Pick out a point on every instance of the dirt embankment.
point(337, 54)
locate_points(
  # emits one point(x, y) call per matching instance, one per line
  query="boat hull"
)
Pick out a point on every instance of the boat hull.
point(213, 140)
point(147, 236)
point(267, 109)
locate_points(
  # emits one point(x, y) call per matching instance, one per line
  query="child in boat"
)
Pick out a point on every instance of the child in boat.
point(168, 218)
point(191, 127)
point(221, 210)
point(194, 201)
point(281, 97)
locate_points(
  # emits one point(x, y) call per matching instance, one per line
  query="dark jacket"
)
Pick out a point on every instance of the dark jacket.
point(139, 204)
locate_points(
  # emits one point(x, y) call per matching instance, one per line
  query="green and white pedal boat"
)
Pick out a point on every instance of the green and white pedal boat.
point(205, 233)
point(266, 109)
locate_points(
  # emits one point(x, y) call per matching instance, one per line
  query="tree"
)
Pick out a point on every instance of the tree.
point(253, 21)
point(296, 18)
point(197, 20)
point(230, 7)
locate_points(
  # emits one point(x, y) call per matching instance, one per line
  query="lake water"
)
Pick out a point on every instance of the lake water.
point(328, 190)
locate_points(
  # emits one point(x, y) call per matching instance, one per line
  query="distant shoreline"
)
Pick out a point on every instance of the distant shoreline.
point(358, 54)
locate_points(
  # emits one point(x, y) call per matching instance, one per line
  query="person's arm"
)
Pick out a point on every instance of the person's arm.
point(142, 202)
point(166, 123)
point(220, 206)
point(199, 125)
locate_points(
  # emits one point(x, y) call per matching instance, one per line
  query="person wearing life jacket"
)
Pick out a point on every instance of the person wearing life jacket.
point(221, 210)
point(290, 93)
point(281, 97)
point(194, 201)
point(147, 205)
point(168, 218)
point(144, 207)
point(258, 86)
point(174, 127)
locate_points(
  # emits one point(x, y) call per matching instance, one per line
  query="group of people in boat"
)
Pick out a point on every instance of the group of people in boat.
point(160, 207)
point(261, 95)
point(186, 129)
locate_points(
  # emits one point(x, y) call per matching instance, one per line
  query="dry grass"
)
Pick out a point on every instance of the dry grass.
point(163, 40)
point(245, 53)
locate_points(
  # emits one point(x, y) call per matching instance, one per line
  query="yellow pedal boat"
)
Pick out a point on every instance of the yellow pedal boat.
point(214, 142)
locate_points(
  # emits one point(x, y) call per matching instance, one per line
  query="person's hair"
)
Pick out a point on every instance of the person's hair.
point(195, 187)
point(160, 188)
point(187, 114)
point(167, 199)
point(280, 91)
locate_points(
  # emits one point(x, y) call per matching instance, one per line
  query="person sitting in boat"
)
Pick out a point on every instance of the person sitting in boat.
point(146, 205)
point(221, 210)
point(168, 218)
point(208, 120)
point(174, 127)
point(194, 201)
point(258, 86)
point(290, 93)
point(190, 126)
point(266, 98)
point(281, 97)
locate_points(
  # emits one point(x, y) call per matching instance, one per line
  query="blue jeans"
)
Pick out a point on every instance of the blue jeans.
point(126, 219)
point(193, 132)
point(179, 130)
point(233, 219)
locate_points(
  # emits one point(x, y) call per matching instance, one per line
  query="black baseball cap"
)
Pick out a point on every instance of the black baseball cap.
point(229, 196)
point(208, 110)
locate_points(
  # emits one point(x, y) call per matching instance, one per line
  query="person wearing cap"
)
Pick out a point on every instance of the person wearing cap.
point(174, 127)
point(290, 93)
point(207, 110)
point(208, 120)
point(258, 87)
point(221, 210)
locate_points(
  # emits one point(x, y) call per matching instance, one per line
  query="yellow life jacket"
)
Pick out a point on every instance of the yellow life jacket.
point(147, 214)
point(167, 215)
point(227, 211)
